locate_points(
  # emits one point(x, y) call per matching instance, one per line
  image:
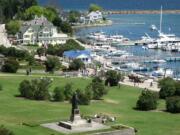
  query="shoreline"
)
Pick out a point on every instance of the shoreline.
point(108, 23)
point(142, 12)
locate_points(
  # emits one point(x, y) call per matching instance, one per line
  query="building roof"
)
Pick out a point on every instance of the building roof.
point(95, 13)
point(77, 53)
point(38, 21)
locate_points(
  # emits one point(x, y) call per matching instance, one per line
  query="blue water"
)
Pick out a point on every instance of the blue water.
point(117, 4)
point(134, 26)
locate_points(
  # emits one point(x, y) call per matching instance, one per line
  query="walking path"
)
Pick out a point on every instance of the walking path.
point(146, 84)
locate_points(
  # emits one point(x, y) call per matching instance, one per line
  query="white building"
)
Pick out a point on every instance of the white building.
point(83, 55)
point(92, 17)
point(42, 32)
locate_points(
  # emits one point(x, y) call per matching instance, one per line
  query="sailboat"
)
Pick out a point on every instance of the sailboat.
point(163, 39)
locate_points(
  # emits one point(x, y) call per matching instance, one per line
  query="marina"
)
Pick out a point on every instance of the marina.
point(148, 45)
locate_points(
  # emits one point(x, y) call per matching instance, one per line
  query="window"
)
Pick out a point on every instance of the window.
point(26, 36)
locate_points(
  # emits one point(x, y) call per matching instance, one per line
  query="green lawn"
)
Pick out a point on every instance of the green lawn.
point(119, 102)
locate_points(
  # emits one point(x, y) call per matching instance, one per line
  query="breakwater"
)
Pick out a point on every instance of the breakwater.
point(143, 12)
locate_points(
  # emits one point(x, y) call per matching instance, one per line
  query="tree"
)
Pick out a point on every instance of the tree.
point(162, 82)
point(10, 66)
point(13, 52)
point(59, 94)
point(66, 28)
point(31, 60)
point(41, 51)
point(76, 64)
point(83, 99)
point(52, 63)
point(168, 88)
point(74, 16)
point(33, 11)
point(113, 78)
point(57, 22)
point(13, 27)
point(68, 92)
point(9, 8)
point(25, 4)
point(12, 8)
point(60, 49)
point(173, 104)
point(177, 88)
point(89, 92)
point(5, 131)
point(94, 7)
point(97, 87)
point(147, 101)
point(36, 89)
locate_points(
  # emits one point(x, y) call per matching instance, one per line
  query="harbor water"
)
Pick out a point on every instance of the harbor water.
point(134, 26)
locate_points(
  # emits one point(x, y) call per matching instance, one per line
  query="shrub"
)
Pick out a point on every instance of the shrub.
point(173, 104)
point(52, 63)
point(167, 89)
point(113, 78)
point(162, 82)
point(97, 87)
point(147, 101)
point(58, 94)
point(66, 28)
point(60, 49)
point(10, 66)
point(76, 64)
point(68, 92)
point(1, 88)
point(41, 51)
point(83, 99)
point(5, 131)
point(13, 52)
point(13, 27)
point(177, 88)
point(36, 89)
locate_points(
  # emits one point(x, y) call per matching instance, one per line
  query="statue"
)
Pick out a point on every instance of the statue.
point(75, 108)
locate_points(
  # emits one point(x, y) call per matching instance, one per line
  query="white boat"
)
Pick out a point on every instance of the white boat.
point(152, 46)
point(158, 61)
point(145, 40)
point(118, 39)
point(133, 65)
point(153, 27)
point(162, 72)
point(163, 38)
point(118, 53)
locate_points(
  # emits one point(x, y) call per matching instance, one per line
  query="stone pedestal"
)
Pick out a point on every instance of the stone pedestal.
point(75, 121)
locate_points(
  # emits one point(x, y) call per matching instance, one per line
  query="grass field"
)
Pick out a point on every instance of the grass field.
point(119, 102)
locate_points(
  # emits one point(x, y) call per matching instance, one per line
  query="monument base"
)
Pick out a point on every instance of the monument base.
point(75, 124)
point(64, 127)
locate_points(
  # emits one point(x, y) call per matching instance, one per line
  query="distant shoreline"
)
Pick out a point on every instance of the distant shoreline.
point(108, 23)
point(142, 12)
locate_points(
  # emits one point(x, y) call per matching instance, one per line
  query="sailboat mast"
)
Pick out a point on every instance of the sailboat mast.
point(161, 20)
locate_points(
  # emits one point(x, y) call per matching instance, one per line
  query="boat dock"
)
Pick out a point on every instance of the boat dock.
point(130, 59)
point(141, 59)
point(172, 59)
